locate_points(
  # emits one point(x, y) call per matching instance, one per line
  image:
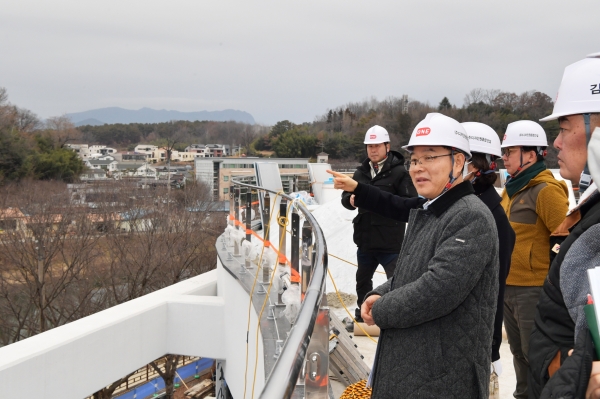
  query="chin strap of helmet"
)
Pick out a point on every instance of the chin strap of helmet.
point(520, 168)
point(586, 178)
point(540, 150)
point(451, 174)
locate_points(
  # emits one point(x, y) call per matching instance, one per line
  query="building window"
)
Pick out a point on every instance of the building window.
point(226, 190)
point(225, 178)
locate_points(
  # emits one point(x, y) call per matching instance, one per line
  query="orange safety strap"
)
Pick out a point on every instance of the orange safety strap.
point(295, 278)
point(252, 203)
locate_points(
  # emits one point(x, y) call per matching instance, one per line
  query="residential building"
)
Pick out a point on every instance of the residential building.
point(11, 219)
point(108, 165)
point(209, 150)
point(146, 170)
point(197, 148)
point(101, 157)
point(93, 174)
point(184, 156)
point(85, 151)
point(130, 169)
point(131, 157)
point(102, 149)
point(145, 148)
point(82, 150)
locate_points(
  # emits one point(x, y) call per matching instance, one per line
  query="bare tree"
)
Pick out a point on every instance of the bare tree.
point(167, 372)
point(159, 238)
point(62, 130)
point(3, 96)
point(246, 137)
point(489, 96)
point(44, 256)
point(473, 97)
point(26, 121)
point(107, 393)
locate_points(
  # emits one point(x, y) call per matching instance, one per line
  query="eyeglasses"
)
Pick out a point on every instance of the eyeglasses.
point(507, 151)
point(425, 159)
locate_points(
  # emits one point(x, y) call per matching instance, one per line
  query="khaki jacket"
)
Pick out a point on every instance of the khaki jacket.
point(534, 212)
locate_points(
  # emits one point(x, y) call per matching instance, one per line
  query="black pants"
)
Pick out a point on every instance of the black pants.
point(367, 264)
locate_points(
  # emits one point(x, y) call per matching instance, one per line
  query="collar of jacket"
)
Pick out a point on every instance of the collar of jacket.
point(393, 160)
point(488, 195)
point(545, 176)
point(592, 200)
point(448, 199)
point(523, 179)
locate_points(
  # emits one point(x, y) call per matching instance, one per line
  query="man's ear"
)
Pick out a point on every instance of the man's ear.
point(459, 159)
point(531, 157)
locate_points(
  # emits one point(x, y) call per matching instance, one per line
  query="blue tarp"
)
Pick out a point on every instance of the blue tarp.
point(156, 385)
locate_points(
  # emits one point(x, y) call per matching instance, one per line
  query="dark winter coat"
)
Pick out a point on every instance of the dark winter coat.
point(571, 379)
point(554, 329)
point(506, 238)
point(436, 313)
point(373, 232)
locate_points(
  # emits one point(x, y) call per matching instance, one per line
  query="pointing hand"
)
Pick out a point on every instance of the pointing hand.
point(343, 182)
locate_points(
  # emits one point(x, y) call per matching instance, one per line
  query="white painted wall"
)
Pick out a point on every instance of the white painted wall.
point(236, 326)
point(188, 318)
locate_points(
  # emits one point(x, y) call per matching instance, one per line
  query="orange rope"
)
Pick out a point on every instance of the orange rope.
point(295, 277)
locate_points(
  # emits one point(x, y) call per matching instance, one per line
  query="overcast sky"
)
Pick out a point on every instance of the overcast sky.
point(281, 59)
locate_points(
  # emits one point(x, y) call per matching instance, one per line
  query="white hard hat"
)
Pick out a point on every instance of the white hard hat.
point(377, 135)
point(439, 130)
point(524, 134)
point(579, 91)
point(483, 138)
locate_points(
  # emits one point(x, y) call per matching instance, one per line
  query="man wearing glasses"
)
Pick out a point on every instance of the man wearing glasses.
point(535, 204)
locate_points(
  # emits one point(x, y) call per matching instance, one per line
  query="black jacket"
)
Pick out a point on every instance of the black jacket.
point(554, 330)
point(571, 379)
point(506, 237)
point(372, 232)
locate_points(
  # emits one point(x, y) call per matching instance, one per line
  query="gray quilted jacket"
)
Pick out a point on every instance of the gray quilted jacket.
point(437, 312)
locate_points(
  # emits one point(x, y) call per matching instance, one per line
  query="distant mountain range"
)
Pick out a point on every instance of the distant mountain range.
point(111, 115)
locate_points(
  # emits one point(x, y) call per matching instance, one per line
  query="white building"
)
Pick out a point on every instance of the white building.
point(146, 171)
point(217, 173)
point(93, 174)
point(85, 151)
point(145, 148)
point(209, 150)
point(108, 165)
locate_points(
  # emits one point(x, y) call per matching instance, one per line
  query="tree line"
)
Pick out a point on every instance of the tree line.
point(127, 136)
point(340, 131)
point(32, 149)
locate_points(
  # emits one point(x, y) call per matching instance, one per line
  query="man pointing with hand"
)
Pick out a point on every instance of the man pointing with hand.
point(378, 238)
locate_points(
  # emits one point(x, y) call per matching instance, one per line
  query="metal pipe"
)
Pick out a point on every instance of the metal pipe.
point(295, 241)
point(282, 222)
point(282, 380)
